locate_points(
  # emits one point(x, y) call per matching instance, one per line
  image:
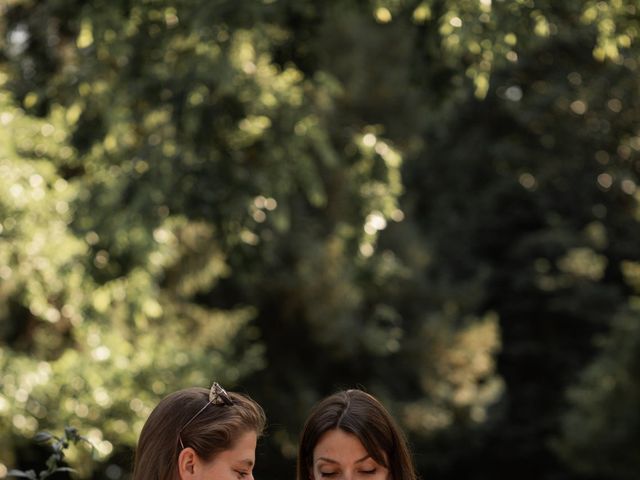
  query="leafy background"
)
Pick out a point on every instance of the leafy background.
point(434, 200)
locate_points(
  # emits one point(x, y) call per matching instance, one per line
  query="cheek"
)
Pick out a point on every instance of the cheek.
point(215, 471)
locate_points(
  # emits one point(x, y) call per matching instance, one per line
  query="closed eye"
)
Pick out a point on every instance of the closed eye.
point(369, 472)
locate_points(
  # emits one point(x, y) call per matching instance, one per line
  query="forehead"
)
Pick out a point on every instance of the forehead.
point(340, 446)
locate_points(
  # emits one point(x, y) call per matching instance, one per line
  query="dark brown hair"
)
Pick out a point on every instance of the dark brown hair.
point(215, 429)
point(360, 414)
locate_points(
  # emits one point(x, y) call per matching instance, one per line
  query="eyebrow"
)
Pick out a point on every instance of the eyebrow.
point(331, 460)
point(248, 462)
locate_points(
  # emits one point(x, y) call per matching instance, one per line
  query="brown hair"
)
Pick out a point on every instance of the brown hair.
point(213, 430)
point(360, 414)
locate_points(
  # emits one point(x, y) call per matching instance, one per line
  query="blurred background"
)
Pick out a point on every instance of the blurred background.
point(433, 200)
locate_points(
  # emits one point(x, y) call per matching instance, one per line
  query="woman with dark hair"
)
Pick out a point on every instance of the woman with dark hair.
point(351, 436)
point(198, 434)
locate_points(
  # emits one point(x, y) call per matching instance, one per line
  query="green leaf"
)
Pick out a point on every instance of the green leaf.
point(22, 474)
point(42, 437)
point(52, 462)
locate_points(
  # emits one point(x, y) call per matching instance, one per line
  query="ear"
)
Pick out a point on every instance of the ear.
point(187, 463)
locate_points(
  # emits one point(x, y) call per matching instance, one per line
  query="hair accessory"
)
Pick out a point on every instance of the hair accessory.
point(217, 396)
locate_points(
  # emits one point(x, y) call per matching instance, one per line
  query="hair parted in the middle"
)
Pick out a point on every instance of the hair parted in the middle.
point(362, 415)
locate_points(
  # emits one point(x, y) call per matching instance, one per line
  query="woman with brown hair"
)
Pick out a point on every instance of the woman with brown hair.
point(198, 434)
point(351, 436)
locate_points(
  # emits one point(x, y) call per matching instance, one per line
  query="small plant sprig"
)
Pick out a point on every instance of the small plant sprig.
point(59, 445)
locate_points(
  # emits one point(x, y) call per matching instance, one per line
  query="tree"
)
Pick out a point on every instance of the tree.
point(430, 199)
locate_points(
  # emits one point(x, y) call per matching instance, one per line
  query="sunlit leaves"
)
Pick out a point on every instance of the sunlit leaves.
point(479, 34)
point(38, 254)
point(616, 28)
point(463, 380)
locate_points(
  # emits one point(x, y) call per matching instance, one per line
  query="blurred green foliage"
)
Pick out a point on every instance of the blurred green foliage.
point(436, 200)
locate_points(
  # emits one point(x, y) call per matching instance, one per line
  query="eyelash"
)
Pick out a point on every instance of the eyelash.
point(241, 474)
point(332, 474)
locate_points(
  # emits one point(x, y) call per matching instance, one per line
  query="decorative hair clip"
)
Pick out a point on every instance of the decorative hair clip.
point(217, 396)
